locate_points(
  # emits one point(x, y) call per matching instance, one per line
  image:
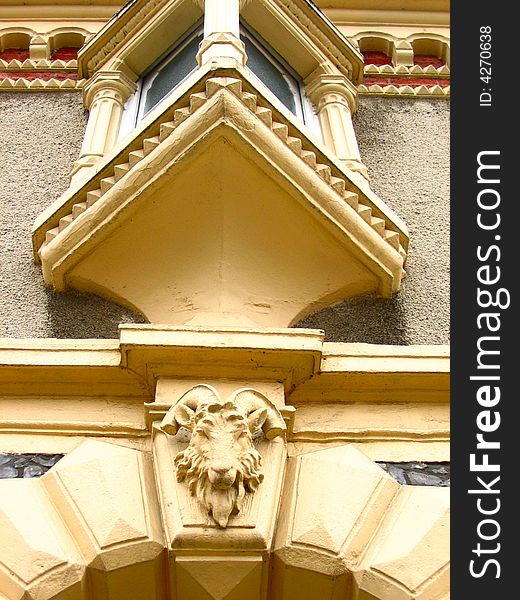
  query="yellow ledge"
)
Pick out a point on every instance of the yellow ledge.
point(117, 388)
point(40, 85)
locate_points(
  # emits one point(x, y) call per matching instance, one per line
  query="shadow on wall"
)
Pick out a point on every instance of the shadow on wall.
point(367, 319)
point(75, 315)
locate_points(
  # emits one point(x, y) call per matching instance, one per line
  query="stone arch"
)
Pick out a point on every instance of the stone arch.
point(18, 38)
point(67, 37)
point(431, 45)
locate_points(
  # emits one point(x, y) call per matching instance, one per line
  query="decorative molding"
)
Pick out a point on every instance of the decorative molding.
point(220, 45)
point(41, 85)
point(401, 45)
point(129, 26)
point(38, 65)
point(406, 91)
point(220, 465)
point(39, 72)
point(39, 44)
point(95, 11)
point(346, 18)
point(332, 51)
point(408, 71)
point(376, 373)
point(342, 392)
point(410, 81)
point(403, 51)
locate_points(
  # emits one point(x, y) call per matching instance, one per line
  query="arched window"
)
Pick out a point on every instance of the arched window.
point(180, 61)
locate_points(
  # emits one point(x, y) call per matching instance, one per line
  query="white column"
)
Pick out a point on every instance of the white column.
point(105, 96)
point(334, 99)
point(221, 31)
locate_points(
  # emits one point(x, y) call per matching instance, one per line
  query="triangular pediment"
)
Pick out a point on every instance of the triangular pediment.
point(219, 210)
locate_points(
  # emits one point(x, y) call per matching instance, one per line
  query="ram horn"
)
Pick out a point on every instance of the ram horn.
point(248, 400)
point(191, 399)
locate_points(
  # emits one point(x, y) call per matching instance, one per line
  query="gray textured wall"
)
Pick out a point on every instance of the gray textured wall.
point(40, 137)
point(405, 144)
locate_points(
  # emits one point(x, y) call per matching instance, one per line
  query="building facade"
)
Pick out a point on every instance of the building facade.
point(224, 275)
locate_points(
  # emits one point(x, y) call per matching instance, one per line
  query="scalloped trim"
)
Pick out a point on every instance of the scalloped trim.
point(40, 85)
point(431, 91)
point(430, 70)
point(37, 65)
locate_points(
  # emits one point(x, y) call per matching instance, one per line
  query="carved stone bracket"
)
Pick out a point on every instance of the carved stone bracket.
point(221, 464)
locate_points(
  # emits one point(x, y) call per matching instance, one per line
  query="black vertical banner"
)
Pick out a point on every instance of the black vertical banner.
point(485, 324)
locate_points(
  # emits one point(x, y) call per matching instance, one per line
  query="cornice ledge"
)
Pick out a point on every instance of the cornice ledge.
point(145, 353)
point(379, 373)
point(58, 352)
point(86, 374)
point(290, 356)
point(121, 376)
point(318, 365)
point(338, 356)
point(387, 18)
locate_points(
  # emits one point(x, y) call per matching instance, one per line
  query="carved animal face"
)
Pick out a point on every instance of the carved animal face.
point(220, 464)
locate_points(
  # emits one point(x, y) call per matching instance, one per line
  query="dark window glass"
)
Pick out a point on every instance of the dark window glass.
point(181, 62)
point(269, 74)
point(172, 73)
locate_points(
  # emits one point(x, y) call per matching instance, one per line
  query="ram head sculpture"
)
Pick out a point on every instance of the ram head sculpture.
point(221, 464)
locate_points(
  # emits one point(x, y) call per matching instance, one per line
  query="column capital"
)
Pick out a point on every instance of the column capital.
point(318, 87)
point(335, 100)
point(110, 83)
point(221, 45)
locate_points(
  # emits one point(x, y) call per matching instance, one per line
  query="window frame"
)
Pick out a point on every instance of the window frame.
point(304, 110)
point(133, 111)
